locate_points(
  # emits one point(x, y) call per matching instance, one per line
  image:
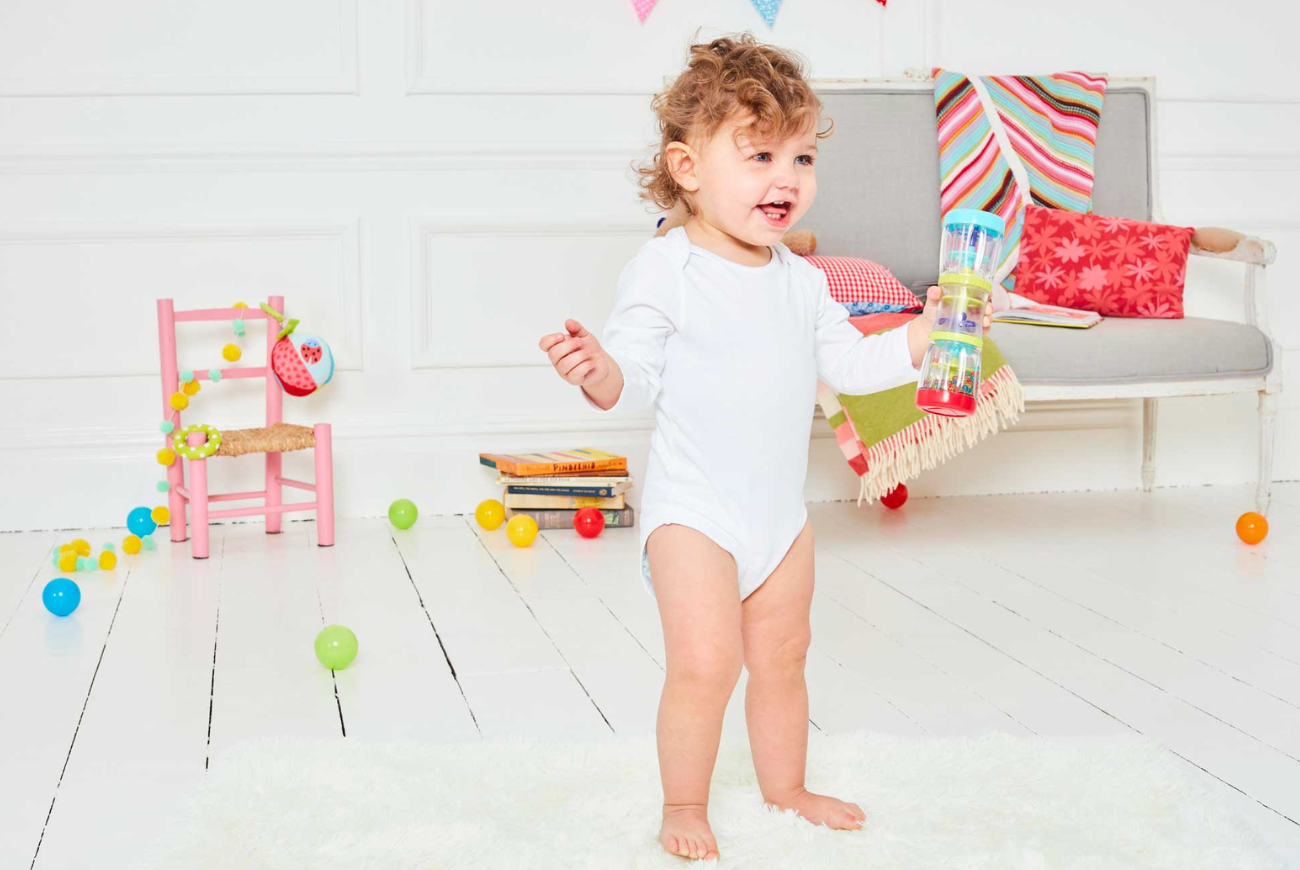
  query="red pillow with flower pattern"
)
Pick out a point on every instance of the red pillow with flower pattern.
point(1114, 266)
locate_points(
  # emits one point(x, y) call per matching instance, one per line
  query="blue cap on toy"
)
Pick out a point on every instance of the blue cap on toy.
point(984, 219)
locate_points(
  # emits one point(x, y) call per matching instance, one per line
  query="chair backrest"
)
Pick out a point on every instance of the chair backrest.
point(878, 174)
point(171, 383)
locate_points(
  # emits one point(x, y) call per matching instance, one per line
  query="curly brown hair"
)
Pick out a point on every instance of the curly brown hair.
point(722, 77)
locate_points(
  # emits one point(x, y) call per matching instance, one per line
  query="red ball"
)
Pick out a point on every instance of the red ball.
point(589, 522)
point(895, 498)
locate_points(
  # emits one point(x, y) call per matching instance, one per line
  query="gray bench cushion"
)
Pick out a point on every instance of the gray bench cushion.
point(878, 176)
point(1122, 350)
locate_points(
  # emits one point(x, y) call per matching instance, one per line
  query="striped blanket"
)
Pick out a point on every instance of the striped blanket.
point(1049, 125)
point(888, 441)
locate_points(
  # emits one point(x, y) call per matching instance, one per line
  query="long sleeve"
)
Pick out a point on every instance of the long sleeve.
point(851, 362)
point(646, 305)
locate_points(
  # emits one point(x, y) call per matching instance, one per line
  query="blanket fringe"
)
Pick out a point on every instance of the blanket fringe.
point(935, 439)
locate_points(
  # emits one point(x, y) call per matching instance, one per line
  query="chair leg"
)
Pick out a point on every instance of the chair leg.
point(199, 508)
point(176, 506)
point(273, 462)
point(1267, 414)
point(1149, 409)
point(324, 456)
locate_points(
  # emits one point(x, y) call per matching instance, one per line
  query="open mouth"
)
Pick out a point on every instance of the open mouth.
point(777, 212)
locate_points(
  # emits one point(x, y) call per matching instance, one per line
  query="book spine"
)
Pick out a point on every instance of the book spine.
point(562, 502)
point(551, 519)
point(578, 491)
point(532, 469)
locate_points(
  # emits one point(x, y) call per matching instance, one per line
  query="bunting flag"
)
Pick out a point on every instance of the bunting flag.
point(768, 9)
point(643, 8)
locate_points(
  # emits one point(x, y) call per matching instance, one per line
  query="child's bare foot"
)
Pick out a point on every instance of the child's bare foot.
point(822, 810)
point(686, 832)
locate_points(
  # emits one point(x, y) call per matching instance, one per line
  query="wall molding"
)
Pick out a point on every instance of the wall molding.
point(421, 80)
point(418, 156)
point(422, 229)
point(342, 80)
point(345, 230)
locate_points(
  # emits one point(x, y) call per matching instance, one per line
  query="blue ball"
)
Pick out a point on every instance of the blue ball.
point(61, 596)
point(140, 523)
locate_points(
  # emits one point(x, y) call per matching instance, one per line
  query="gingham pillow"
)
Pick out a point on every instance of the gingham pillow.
point(861, 284)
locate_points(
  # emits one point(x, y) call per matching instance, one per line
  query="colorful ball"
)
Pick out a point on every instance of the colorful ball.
point(895, 498)
point(140, 523)
point(192, 388)
point(81, 564)
point(589, 522)
point(187, 376)
point(521, 530)
point(240, 305)
point(403, 513)
point(147, 542)
point(336, 647)
point(68, 561)
point(166, 456)
point(1252, 527)
point(109, 546)
point(61, 596)
point(164, 486)
point(179, 401)
point(490, 514)
point(214, 375)
point(303, 363)
point(166, 426)
point(107, 560)
point(231, 353)
point(160, 515)
point(81, 547)
point(131, 545)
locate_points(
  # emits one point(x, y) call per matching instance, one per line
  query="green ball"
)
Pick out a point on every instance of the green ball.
point(336, 647)
point(402, 513)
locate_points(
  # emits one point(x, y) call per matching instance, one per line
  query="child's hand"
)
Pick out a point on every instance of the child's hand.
point(578, 356)
point(919, 329)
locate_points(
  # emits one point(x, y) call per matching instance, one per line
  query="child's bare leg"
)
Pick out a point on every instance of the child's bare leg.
point(699, 603)
point(776, 632)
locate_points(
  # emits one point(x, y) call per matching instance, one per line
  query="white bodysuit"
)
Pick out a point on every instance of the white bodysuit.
point(730, 356)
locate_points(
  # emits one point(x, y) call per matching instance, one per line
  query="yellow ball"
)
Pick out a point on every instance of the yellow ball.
point(107, 560)
point(67, 561)
point(166, 456)
point(67, 548)
point(521, 530)
point(160, 515)
point(179, 401)
point(131, 544)
point(190, 388)
point(81, 547)
point(232, 352)
point(240, 305)
point(490, 514)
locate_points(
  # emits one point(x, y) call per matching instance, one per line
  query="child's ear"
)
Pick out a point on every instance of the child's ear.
point(682, 166)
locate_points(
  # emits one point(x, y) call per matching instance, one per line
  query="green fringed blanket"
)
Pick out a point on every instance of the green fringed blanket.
point(888, 440)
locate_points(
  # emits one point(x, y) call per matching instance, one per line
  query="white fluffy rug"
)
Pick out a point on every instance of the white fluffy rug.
point(994, 802)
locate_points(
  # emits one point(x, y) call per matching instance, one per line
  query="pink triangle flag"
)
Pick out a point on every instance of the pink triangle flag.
point(643, 8)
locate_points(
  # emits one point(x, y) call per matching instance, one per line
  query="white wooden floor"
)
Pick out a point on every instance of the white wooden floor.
point(1095, 613)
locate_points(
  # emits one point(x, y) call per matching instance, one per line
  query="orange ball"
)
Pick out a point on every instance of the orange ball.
point(1252, 527)
point(190, 388)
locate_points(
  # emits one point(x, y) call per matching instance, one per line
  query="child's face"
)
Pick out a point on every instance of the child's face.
point(742, 179)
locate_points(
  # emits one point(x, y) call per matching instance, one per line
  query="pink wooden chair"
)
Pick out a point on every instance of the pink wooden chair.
point(277, 438)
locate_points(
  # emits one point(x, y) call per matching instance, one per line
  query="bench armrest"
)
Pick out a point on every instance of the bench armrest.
point(1224, 244)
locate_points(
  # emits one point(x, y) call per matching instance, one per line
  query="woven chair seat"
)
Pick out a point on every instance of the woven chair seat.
point(277, 438)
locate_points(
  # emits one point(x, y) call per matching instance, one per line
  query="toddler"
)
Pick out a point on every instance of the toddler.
point(726, 332)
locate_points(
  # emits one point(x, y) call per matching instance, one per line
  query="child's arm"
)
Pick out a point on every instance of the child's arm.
point(624, 373)
point(859, 364)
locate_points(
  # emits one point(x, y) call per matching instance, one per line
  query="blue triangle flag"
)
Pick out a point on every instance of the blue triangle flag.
point(768, 9)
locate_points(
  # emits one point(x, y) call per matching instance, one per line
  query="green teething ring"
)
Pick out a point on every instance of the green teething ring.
point(202, 451)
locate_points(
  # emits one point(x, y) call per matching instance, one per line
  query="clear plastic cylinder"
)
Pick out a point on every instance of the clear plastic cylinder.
point(950, 379)
point(971, 244)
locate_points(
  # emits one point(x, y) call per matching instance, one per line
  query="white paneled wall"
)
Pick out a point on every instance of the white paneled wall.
point(433, 184)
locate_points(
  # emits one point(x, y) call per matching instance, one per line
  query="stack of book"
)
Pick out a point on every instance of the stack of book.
point(552, 487)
